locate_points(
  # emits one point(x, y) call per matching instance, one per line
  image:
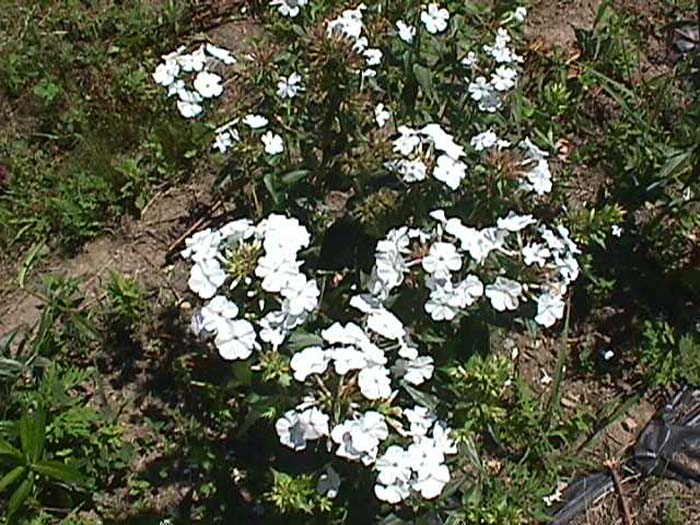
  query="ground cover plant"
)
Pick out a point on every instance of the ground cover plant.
point(448, 266)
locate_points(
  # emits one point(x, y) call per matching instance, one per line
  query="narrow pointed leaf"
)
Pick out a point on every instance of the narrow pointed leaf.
point(8, 451)
point(19, 496)
point(58, 470)
point(11, 477)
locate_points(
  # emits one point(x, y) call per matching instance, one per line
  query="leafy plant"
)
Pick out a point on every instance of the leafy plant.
point(29, 468)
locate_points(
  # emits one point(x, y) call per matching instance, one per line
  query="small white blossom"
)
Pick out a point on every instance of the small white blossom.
point(449, 171)
point(442, 259)
point(504, 78)
point(381, 115)
point(486, 140)
point(255, 121)
point(274, 145)
point(166, 73)
point(208, 84)
point(536, 253)
point(374, 383)
point(236, 340)
point(504, 294)
point(289, 8)
point(435, 18)
point(514, 222)
point(205, 278)
point(301, 295)
point(550, 308)
point(311, 360)
point(406, 32)
point(224, 55)
point(414, 371)
point(289, 87)
point(520, 14)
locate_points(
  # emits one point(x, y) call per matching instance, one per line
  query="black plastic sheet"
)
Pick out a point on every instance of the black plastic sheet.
point(669, 447)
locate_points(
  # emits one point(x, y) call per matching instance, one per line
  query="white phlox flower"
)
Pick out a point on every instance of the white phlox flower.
point(406, 32)
point(311, 360)
point(274, 145)
point(288, 8)
point(236, 340)
point(435, 18)
point(504, 294)
point(289, 87)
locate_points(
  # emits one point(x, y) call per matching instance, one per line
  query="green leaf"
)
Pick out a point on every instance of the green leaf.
point(32, 256)
point(300, 340)
point(11, 452)
point(32, 433)
point(58, 470)
point(270, 185)
point(294, 176)
point(11, 477)
point(19, 496)
point(425, 79)
point(422, 398)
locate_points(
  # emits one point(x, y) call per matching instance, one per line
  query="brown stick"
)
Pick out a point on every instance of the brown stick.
point(195, 226)
point(624, 505)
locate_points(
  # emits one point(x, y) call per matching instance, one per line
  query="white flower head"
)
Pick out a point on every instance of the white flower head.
point(301, 295)
point(289, 87)
point(224, 55)
point(166, 73)
point(255, 121)
point(550, 308)
point(449, 171)
point(236, 340)
point(381, 115)
point(406, 32)
point(435, 18)
point(208, 84)
point(206, 277)
point(274, 145)
point(289, 8)
point(374, 383)
point(514, 222)
point(311, 360)
point(442, 259)
point(504, 294)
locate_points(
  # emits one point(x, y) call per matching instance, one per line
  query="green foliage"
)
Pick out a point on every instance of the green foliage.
point(292, 494)
point(668, 357)
point(127, 303)
point(27, 465)
point(76, 77)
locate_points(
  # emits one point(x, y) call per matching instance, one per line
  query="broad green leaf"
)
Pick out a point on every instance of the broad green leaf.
point(19, 496)
point(58, 470)
point(11, 477)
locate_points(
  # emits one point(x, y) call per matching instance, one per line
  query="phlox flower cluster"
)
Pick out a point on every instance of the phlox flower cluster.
point(490, 79)
point(370, 362)
point(420, 467)
point(461, 264)
point(187, 76)
point(230, 133)
point(264, 257)
point(428, 150)
point(349, 25)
